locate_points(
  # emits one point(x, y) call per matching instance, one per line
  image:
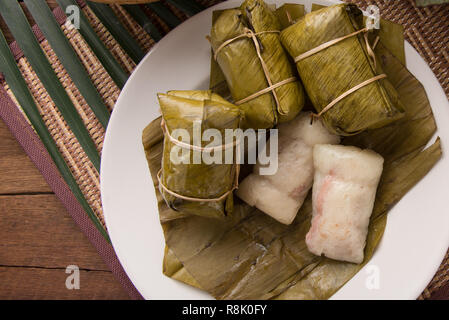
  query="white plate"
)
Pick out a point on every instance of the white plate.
point(417, 233)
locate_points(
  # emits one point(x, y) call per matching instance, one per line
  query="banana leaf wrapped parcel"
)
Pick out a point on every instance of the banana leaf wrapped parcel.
point(339, 70)
point(259, 74)
point(252, 256)
point(187, 183)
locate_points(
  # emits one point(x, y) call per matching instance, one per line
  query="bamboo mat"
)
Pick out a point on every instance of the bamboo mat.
point(427, 29)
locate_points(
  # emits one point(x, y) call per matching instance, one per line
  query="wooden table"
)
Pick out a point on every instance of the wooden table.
point(39, 239)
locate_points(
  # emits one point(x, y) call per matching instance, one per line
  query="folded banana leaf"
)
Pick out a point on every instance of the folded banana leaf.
point(217, 79)
point(406, 163)
point(243, 69)
point(174, 269)
point(253, 256)
point(289, 13)
point(316, 6)
point(391, 35)
point(186, 176)
point(329, 73)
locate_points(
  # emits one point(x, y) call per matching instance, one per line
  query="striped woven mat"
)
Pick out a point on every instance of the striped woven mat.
point(426, 28)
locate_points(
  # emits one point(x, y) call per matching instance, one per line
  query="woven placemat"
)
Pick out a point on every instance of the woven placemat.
point(427, 29)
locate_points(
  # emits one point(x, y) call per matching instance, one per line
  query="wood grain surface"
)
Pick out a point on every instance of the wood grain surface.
point(39, 239)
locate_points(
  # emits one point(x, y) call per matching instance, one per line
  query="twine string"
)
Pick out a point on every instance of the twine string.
point(370, 51)
point(330, 43)
point(201, 149)
point(248, 33)
point(347, 93)
point(266, 90)
point(191, 146)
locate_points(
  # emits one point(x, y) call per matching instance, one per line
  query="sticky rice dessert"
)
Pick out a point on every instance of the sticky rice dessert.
point(280, 195)
point(344, 190)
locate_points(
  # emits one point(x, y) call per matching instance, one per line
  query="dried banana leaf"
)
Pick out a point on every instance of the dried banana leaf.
point(333, 71)
point(316, 6)
point(243, 69)
point(402, 145)
point(217, 79)
point(393, 40)
point(253, 256)
point(391, 35)
point(181, 110)
point(328, 275)
point(174, 269)
point(289, 13)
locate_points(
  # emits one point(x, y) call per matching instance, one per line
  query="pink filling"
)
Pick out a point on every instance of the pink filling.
point(318, 206)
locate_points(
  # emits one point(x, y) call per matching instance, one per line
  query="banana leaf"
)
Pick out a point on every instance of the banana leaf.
point(316, 6)
point(174, 269)
point(217, 79)
point(390, 33)
point(333, 71)
point(243, 69)
point(251, 273)
point(251, 256)
point(391, 36)
point(180, 110)
point(289, 13)
point(117, 73)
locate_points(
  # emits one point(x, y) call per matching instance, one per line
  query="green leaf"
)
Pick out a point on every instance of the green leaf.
point(20, 89)
point(189, 7)
point(141, 18)
point(164, 13)
point(18, 25)
point(120, 34)
point(289, 13)
point(118, 75)
point(61, 46)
